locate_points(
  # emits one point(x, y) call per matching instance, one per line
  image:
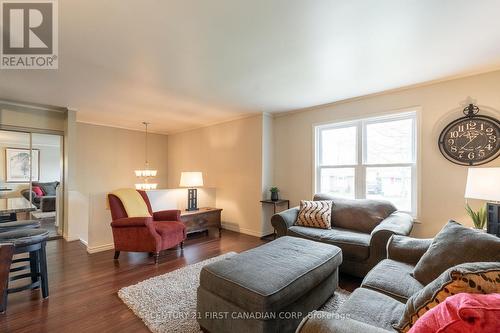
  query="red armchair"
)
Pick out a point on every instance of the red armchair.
point(159, 232)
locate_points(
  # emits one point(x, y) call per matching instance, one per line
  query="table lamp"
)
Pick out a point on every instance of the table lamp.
point(192, 180)
point(484, 184)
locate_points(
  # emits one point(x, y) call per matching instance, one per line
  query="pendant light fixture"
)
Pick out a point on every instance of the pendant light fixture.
point(146, 174)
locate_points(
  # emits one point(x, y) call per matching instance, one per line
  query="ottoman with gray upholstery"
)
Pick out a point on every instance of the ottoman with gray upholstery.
point(269, 288)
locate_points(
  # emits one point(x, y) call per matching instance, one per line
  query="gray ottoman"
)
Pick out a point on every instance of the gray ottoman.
point(269, 288)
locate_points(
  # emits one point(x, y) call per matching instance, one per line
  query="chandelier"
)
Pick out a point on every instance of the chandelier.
point(146, 174)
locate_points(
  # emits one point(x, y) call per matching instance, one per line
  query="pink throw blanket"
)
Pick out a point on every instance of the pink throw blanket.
point(462, 313)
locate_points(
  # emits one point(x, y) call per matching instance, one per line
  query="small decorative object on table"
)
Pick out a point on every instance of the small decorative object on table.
point(192, 180)
point(479, 218)
point(274, 193)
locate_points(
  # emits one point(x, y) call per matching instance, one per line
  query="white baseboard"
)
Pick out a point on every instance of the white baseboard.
point(236, 228)
point(84, 242)
point(70, 239)
point(100, 248)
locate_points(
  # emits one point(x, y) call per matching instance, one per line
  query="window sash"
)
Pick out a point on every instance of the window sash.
point(337, 126)
point(364, 128)
point(361, 154)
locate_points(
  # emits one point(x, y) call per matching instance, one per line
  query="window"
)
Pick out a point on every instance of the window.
point(373, 158)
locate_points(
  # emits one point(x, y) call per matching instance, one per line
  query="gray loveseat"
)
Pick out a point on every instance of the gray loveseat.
point(361, 228)
point(46, 203)
point(390, 289)
point(379, 302)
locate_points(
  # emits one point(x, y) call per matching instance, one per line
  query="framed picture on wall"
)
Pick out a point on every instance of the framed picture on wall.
point(17, 165)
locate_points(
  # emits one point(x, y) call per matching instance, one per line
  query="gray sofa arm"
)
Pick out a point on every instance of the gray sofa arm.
point(326, 322)
point(284, 220)
point(407, 249)
point(397, 223)
point(26, 194)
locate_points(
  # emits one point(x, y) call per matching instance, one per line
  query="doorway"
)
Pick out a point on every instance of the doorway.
point(31, 178)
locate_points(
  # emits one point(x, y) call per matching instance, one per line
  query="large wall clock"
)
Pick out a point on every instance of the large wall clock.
point(471, 140)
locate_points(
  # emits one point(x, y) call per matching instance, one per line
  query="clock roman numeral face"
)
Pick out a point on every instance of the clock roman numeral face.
point(471, 141)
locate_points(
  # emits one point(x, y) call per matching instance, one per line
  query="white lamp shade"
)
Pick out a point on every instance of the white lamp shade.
point(483, 184)
point(191, 179)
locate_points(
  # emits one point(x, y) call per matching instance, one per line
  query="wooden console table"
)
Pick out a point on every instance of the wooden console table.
point(202, 219)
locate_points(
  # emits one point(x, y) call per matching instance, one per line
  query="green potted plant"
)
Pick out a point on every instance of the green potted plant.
point(479, 218)
point(274, 193)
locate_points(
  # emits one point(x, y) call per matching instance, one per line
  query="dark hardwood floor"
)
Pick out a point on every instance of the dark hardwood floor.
point(83, 286)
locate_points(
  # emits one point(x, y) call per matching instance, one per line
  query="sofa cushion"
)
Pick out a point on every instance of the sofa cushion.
point(479, 278)
point(373, 308)
point(315, 214)
point(454, 245)
point(355, 245)
point(49, 188)
point(394, 279)
point(172, 232)
point(357, 214)
point(272, 276)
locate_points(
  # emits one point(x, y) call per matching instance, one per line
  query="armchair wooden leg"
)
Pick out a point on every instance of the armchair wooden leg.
point(117, 254)
point(156, 257)
point(182, 245)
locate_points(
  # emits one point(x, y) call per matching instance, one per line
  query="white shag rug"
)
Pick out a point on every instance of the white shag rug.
point(167, 303)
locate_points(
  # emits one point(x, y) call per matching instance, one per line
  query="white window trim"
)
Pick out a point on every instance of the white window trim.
point(360, 172)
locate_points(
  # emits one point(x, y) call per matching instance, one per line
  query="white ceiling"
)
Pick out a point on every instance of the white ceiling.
point(185, 63)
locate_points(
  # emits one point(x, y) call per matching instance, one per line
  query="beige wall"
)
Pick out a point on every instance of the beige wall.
point(31, 117)
point(230, 157)
point(267, 171)
point(442, 183)
point(105, 160)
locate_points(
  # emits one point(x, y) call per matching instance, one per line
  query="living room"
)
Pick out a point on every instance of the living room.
point(216, 149)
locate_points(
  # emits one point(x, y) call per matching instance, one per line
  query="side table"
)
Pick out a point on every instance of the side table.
point(276, 203)
point(202, 219)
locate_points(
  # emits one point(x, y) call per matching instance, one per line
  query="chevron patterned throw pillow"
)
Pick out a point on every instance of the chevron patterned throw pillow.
point(315, 214)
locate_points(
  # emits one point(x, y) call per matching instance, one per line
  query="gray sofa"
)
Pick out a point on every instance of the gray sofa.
point(361, 228)
point(390, 291)
point(46, 203)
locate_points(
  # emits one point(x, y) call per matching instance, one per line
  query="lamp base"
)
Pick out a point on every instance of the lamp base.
point(192, 199)
point(493, 210)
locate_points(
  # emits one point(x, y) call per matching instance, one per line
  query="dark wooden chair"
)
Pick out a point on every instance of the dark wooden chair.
point(6, 253)
point(32, 242)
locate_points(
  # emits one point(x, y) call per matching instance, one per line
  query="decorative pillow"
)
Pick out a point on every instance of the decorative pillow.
point(315, 214)
point(454, 245)
point(474, 278)
point(462, 313)
point(38, 191)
